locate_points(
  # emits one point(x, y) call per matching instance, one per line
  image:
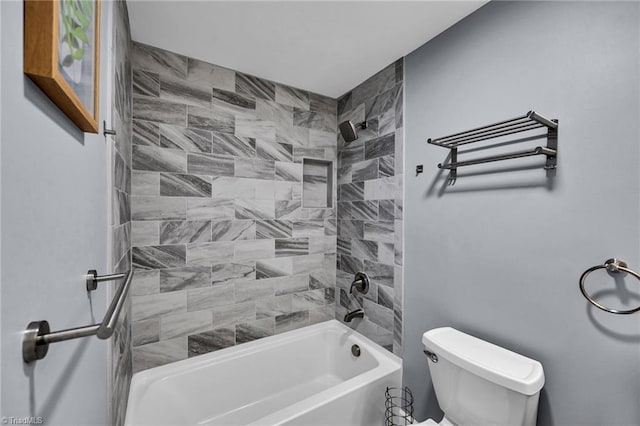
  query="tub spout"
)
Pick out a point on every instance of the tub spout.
point(358, 313)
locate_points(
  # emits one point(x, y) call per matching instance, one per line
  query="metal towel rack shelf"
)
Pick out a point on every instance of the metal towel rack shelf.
point(38, 335)
point(525, 123)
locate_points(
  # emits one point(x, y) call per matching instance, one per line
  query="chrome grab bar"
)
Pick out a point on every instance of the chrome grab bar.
point(37, 336)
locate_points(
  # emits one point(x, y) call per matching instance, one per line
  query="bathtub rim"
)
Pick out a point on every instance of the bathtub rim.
point(387, 363)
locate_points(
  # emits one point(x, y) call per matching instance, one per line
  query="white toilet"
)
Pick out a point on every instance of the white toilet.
point(481, 384)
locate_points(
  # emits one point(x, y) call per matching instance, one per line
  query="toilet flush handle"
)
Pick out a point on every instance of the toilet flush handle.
point(433, 357)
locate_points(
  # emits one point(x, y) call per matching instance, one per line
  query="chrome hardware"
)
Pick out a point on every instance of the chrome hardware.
point(93, 278)
point(37, 336)
point(419, 169)
point(360, 283)
point(524, 123)
point(432, 356)
point(106, 131)
point(614, 266)
point(358, 313)
point(355, 350)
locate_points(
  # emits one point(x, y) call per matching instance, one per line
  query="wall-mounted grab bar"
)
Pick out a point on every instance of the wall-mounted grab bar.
point(38, 336)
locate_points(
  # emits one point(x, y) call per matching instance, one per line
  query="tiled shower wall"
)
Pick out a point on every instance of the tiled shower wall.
point(370, 202)
point(121, 358)
point(224, 251)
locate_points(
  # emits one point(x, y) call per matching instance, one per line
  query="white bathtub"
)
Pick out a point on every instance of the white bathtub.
point(303, 377)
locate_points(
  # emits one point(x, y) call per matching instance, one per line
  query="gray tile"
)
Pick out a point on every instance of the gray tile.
point(234, 314)
point(145, 183)
point(386, 253)
point(271, 268)
point(313, 120)
point(274, 151)
point(386, 210)
point(157, 60)
point(252, 127)
point(308, 228)
point(156, 159)
point(292, 321)
point(380, 147)
point(289, 210)
point(307, 300)
point(255, 168)
point(207, 119)
point(273, 229)
point(233, 187)
point(322, 104)
point(145, 282)
point(300, 153)
point(207, 254)
point(344, 103)
point(271, 307)
point(159, 110)
point(364, 170)
point(351, 154)
point(350, 264)
point(183, 324)
point(379, 315)
point(209, 297)
point(379, 231)
point(293, 97)
point(254, 86)
point(247, 291)
point(182, 185)
point(385, 296)
point(351, 191)
point(144, 332)
point(210, 341)
point(145, 233)
point(291, 247)
point(225, 144)
point(146, 83)
point(185, 92)
point(351, 229)
point(233, 103)
point(180, 232)
point(290, 172)
point(250, 331)
point(253, 250)
point(159, 353)
point(381, 81)
point(254, 209)
point(157, 305)
point(381, 189)
point(158, 257)
point(321, 278)
point(184, 278)
point(344, 245)
point(145, 133)
point(230, 273)
point(344, 210)
point(218, 77)
point(364, 210)
point(231, 230)
point(217, 209)
point(212, 165)
point(363, 249)
point(379, 273)
point(158, 208)
point(192, 140)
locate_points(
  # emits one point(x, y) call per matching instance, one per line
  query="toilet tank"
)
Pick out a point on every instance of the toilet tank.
point(479, 383)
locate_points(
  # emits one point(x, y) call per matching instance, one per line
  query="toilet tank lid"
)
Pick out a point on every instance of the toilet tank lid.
point(484, 359)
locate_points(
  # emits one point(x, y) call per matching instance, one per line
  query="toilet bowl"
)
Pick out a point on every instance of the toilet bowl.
point(479, 383)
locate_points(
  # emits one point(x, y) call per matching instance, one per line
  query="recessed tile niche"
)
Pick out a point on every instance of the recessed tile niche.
point(317, 183)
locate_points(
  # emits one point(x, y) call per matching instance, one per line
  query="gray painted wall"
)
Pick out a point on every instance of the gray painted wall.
point(499, 255)
point(54, 228)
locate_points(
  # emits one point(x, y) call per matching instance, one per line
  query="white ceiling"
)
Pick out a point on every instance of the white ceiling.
point(327, 47)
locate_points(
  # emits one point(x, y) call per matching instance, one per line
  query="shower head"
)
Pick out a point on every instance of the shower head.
point(349, 130)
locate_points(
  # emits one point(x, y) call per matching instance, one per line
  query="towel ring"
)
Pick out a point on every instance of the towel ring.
point(615, 266)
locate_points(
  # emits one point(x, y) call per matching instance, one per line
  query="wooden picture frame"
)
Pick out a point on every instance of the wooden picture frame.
point(67, 69)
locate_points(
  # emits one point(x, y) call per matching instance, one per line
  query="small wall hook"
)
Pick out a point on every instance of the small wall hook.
point(106, 131)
